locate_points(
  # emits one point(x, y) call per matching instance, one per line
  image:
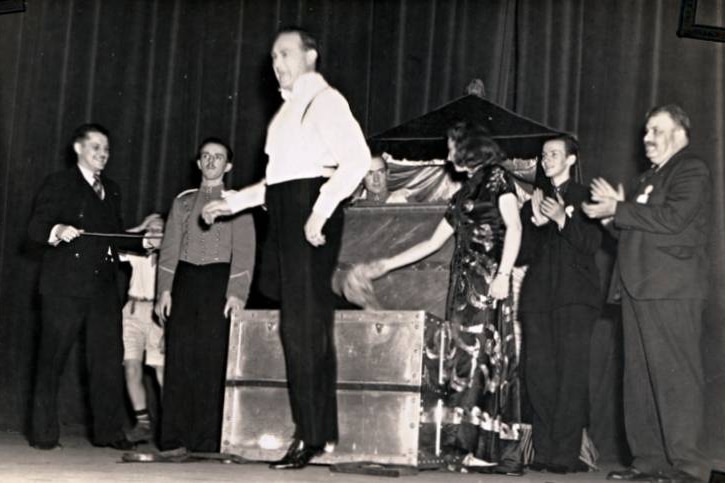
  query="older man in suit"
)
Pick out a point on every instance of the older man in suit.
point(79, 290)
point(661, 279)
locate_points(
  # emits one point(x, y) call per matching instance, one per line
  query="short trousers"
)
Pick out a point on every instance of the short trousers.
point(141, 334)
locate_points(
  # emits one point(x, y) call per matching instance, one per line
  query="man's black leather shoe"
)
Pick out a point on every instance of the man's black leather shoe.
point(287, 458)
point(298, 458)
point(630, 474)
point(674, 476)
point(537, 466)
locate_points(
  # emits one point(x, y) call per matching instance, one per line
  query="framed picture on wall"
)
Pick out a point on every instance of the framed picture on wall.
point(702, 19)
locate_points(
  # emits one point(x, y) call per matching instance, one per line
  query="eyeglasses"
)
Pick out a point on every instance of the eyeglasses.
point(216, 157)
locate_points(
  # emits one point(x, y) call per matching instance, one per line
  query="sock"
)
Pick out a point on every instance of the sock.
point(142, 417)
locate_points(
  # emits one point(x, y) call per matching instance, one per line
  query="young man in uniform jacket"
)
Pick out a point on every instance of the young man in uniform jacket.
point(79, 290)
point(204, 275)
point(559, 304)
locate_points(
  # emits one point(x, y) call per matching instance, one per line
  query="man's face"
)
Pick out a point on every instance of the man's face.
point(554, 160)
point(213, 162)
point(93, 151)
point(290, 60)
point(376, 180)
point(661, 138)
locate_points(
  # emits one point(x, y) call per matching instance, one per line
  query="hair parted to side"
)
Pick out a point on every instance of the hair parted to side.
point(571, 145)
point(381, 158)
point(309, 41)
point(215, 140)
point(474, 146)
point(81, 132)
point(678, 115)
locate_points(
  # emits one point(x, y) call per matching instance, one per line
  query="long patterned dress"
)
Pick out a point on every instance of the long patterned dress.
point(482, 387)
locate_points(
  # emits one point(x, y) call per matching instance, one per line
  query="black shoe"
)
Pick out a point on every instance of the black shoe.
point(288, 456)
point(46, 446)
point(121, 444)
point(141, 433)
point(630, 474)
point(500, 469)
point(297, 458)
point(675, 476)
point(538, 466)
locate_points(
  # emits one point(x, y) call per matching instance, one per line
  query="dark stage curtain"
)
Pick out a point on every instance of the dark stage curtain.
point(163, 74)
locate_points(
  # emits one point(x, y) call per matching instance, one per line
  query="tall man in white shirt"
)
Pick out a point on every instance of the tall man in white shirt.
point(317, 157)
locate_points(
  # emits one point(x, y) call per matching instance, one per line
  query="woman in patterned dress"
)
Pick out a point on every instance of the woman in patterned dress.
point(482, 386)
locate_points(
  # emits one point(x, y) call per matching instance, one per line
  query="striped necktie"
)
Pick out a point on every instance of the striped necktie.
point(97, 185)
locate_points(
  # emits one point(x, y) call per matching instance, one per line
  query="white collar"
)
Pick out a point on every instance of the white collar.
point(88, 174)
point(306, 86)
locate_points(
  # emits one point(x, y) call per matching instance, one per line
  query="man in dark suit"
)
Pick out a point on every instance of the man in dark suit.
point(79, 290)
point(661, 279)
point(559, 304)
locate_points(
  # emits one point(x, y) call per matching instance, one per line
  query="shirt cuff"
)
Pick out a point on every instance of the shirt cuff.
point(324, 206)
point(245, 198)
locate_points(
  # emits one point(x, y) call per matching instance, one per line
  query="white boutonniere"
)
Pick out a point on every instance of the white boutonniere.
point(644, 197)
point(569, 210)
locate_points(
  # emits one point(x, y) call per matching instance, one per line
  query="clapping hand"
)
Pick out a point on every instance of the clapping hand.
point(538, 218)
point(554, 209)
point(601, 190)
point(605, 199)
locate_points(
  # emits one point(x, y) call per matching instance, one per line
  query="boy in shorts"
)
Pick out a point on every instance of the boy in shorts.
point(142, 331)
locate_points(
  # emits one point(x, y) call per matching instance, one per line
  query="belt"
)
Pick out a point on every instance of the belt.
point(139, 299)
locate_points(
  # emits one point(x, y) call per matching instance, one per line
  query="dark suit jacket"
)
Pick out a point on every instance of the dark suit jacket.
point(72, 269)
point(663, 238)
point(562, 270)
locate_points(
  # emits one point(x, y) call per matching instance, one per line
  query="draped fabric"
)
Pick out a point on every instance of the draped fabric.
point(163, 74)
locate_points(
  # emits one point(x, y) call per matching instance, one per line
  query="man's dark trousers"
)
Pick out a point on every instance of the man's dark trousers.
point(663, 385)
point(303, 285)
point(557, 379)
point(99, 318)
point(197, 335)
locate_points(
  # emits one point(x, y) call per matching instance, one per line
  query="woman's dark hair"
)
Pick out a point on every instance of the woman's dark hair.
point(474, 146)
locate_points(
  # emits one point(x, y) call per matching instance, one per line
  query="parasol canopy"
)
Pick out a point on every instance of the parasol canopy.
point(424, 137)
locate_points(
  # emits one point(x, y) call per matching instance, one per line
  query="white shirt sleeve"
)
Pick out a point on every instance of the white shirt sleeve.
point(344, 139)
point(248, 197)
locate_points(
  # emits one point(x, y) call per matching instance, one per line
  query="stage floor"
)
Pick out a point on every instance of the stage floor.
point(77, 460)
